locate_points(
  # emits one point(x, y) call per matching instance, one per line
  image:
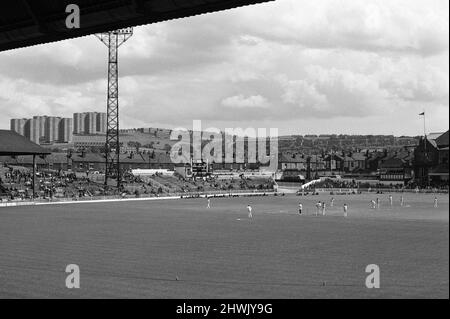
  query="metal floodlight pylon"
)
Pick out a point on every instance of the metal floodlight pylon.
point(113, 40)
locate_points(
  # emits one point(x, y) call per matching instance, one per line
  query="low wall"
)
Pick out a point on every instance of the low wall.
point(107, 199)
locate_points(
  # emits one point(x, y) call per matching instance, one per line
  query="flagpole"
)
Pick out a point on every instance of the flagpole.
point(424, 131)
point(424, 125)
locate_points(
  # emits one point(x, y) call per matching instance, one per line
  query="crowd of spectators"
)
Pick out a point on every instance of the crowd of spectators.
point(16, 184)
point(355, 184)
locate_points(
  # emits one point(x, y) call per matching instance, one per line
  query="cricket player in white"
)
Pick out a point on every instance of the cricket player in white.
point(374, 204)
point(249, 209)
point(332, 202)
point(435, 202)
point(390, 200)
point(300, 208)
point(345, 210)
point(402, 201)
point(318, 207)
point(209, 203)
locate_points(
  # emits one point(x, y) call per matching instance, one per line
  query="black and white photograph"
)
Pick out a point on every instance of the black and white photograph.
point(222, 156)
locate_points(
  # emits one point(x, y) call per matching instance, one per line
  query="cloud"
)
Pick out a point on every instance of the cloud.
point(304, 95)
point(240, 101)
point(410, 27)
point(415, 80)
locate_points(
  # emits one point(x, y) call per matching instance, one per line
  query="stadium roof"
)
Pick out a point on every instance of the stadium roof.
point(393, 162)
point(12, 143)
point(29, 22)
point(434, 136)
point(442, 140)
point(292, 158)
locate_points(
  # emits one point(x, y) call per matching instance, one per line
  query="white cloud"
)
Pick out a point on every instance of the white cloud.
point(240, 101)
point(303, 95)
point(415, 27)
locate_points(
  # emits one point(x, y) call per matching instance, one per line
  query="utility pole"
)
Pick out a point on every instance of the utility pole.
point(113, 40)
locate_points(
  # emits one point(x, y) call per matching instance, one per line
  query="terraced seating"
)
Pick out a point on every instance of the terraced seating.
point(3, 191)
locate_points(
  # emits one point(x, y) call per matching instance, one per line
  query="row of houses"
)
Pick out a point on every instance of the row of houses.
point(345, 164)
point(91, 162)
point(426, 163)
point(330, 162)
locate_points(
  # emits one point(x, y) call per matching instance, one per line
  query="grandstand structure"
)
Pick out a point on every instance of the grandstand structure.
point(14, 144)
point(26, 23)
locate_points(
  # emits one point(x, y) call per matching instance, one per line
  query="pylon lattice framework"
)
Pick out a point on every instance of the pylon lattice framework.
point(113, 40)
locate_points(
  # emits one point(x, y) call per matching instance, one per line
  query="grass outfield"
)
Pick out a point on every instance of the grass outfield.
point(138, 249)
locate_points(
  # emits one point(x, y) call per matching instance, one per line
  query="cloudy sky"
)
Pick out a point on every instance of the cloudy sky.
point(305, 67)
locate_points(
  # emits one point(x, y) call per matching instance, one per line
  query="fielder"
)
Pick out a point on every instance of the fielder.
point(249, 209)
point(318, 208)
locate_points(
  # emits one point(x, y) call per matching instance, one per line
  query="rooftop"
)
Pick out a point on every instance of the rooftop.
point(12, 143)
